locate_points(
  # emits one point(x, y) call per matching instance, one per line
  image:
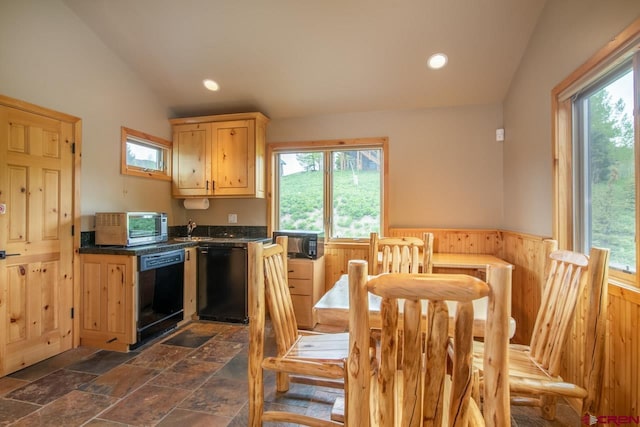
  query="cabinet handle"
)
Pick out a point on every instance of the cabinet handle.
point(207, 185)
point(112, 340)
point(188, 256)
point(213, 185)
point(291, 287)
point(290, 271)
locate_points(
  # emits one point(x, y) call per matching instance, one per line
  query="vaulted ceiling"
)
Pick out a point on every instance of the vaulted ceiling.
point(291, 58)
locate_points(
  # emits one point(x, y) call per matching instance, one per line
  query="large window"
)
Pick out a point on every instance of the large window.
point(333, 187)
point(605, 176)
point(595, 147)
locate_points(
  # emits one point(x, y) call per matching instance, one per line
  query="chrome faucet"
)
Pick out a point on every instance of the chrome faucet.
point(190, 226)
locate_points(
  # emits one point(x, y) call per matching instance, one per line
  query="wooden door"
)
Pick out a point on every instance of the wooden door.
point(234, 158)
point(192, 160)
point(36, 281)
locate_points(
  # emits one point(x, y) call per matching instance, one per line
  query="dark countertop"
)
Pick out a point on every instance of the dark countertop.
point(165, 246)
point(137, 250)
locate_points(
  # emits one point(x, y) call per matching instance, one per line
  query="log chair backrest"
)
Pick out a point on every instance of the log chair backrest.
point(422, 388)
point(278, 297)
point(567, 275)
point(399, 254)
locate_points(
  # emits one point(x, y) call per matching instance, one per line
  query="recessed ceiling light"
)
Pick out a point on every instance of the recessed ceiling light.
point(211, 85)
point(437, 60)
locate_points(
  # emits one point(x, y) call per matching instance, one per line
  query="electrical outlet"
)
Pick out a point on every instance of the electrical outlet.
point(232, 218)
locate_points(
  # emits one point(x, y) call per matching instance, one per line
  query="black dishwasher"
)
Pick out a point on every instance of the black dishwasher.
point(222, 282)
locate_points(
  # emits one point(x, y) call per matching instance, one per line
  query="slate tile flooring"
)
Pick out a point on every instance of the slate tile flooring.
point(196, 376)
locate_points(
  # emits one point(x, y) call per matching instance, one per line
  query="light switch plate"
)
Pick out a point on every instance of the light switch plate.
point(232, 218)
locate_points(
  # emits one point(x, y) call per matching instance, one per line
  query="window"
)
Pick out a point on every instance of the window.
point(334, 187)
point(145, 155)
point(605, 176)
point(595, 173)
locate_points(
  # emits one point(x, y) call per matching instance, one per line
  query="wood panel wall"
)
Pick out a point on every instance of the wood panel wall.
point(621, 391)
point(457, 241)
point(526, 253)
point(337, 258)
point(621, 394)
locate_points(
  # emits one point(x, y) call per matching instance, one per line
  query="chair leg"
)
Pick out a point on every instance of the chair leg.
point(282, 382)
point(475, 385)
point(548, 407)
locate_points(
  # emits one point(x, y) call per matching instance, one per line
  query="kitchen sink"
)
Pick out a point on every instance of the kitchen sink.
point(193, 239)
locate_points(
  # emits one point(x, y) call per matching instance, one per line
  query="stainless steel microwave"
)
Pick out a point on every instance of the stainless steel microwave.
point(303, 244)
point(130, 228)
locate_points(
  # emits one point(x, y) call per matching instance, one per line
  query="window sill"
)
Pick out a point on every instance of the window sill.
point(624, 290)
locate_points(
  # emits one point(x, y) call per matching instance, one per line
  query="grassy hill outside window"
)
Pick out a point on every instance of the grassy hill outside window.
point(336, 187)
point(596, 155)
point(145, 155)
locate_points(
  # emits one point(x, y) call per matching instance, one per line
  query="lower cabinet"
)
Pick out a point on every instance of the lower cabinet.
point(108, 302)
point(306, 284)
point(190, 275)
point(107, 299)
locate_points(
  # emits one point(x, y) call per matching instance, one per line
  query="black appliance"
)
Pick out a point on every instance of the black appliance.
point(303, 244)
point(160, 293)
point(222, 279)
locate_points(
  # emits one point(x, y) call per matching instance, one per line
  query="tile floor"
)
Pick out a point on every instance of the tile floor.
point(196, 376)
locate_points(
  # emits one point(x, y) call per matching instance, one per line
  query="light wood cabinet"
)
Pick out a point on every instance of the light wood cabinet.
point(192, 160)
point(107, 301)
point(190, 274)
point(306, 285)
point(219, 156)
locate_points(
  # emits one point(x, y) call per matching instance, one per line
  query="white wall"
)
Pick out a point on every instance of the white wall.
point(251, 212)
point(445, 167)
point(48, 57)
point(568, 33)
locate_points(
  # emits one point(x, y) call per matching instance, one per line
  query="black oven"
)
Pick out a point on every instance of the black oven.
point(160, 293)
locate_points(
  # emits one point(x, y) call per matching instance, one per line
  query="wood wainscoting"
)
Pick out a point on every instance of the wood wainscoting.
point(526, 253)
point(621, 394)
point(457, 241)
point(337, 256)
point(621, 391)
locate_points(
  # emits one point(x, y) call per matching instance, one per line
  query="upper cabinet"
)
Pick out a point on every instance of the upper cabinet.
point(192, 160)
point(219, 156)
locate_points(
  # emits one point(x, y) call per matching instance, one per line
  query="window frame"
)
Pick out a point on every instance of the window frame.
point(275, 148)
point(127, 134)
point(620, 50)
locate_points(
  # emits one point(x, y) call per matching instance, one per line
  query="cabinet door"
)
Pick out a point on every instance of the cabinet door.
point(189, 283)
point(303, 309)
point(106, 306)
point(192, 160)
point(234, 158)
